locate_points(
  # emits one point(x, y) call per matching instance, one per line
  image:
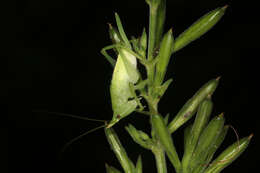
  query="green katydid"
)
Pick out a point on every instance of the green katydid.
point(125, 76)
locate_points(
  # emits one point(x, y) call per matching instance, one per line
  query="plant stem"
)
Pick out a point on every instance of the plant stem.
point(160, 160)
point(152, 107)
point(158, 150)
point(150, 74)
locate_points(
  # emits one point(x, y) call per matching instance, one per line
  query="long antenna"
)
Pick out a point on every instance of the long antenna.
point(72, 116)
point(80, 136)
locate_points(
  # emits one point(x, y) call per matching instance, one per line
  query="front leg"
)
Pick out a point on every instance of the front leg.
point(107, 56)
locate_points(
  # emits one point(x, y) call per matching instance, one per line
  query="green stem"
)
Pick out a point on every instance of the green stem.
point(158, 150)
point(160, 160)
point(150, 77)
point(152, 105)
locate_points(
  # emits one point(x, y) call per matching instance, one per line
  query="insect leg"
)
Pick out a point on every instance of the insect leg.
point(108, 57)
point(112, 61)
point(132, 90)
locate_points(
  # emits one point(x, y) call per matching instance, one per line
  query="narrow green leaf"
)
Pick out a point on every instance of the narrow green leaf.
point(159, 91)
point(190, 107)
point(229, 155)
point(139, 165)
point(201, 120)
point(111, 169)
point(200, 27)
point(166, 118)
point(206, 141)
point(163, 57)
point(219, 141)
point(187, 132)
point(118, 149)
point(139, 137)
point(143, 43)
point(160, 21)
point(162, 133)
point(212, 150)
point(121, 30)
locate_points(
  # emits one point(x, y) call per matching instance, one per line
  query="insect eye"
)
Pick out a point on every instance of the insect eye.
point(118, 116)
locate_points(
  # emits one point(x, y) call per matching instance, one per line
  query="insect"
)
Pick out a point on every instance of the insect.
point(125, 75)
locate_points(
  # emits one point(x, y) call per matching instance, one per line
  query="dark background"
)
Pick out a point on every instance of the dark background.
point(54, 64)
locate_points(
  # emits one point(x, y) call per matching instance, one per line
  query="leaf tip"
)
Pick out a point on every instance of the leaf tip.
point(109, 25)
point(250, 136)
point(116, 15)
point(218, 78)
point(225, 7)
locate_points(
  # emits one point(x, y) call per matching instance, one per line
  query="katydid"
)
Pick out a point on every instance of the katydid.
point(125, 76)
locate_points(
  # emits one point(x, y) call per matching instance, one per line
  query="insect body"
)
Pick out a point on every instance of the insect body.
point(124, 75)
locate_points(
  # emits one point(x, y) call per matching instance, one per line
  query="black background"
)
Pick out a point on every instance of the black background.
point(54, 64)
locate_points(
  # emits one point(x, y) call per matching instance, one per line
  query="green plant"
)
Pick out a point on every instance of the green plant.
point(130, 91)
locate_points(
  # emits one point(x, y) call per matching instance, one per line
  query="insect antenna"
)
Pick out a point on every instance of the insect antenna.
point(76, 117)
point(72, 116)
point(80, 136)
